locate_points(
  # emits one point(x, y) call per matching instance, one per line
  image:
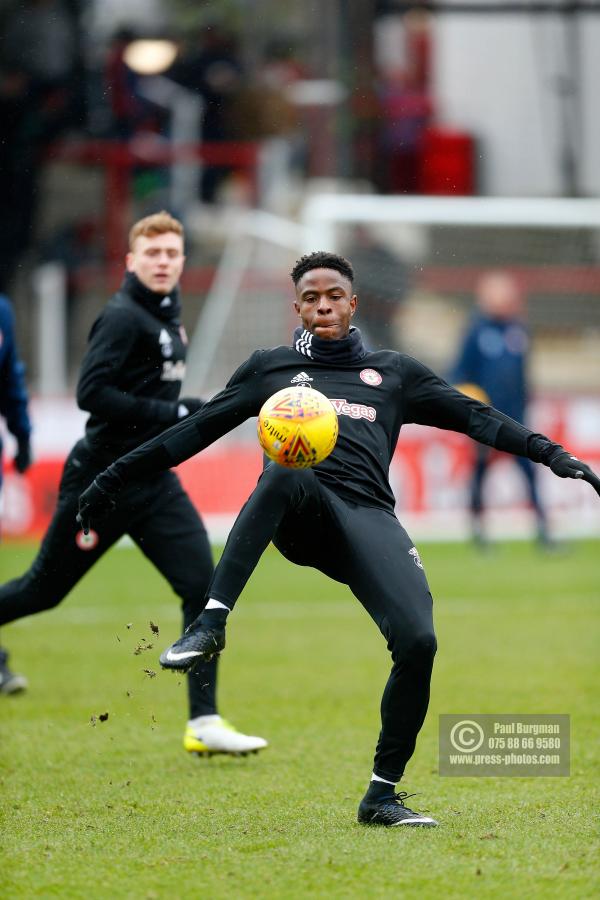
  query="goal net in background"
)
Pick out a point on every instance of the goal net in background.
point(417, 261)
point(249, 304)
point(441, 246)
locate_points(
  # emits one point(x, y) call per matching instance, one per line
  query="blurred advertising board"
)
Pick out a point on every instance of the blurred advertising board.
point(430, 476)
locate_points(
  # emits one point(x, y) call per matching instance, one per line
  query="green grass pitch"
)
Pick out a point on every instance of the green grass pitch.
point(117, 809)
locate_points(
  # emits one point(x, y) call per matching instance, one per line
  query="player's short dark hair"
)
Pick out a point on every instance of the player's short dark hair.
point(320, 259)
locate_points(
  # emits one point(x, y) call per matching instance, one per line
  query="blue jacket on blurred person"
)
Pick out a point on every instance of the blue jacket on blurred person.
point(13, 407)
point(494, 357)
point(494, 351)
point(492, 365)
point(13, 393)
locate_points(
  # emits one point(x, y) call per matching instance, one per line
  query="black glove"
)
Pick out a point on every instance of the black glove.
point(22, 459)
point(566, 466)
point(187, 406)
point(95, 504)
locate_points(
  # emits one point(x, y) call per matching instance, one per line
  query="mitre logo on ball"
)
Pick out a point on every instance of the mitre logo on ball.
point(297, 427)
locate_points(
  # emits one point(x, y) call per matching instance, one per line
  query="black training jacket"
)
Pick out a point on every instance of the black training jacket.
point(374, 397)
point(130, 376)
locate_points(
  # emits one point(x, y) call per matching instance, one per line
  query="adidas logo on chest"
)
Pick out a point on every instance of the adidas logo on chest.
point(301, 378)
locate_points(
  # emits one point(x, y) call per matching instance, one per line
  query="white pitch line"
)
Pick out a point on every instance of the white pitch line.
point(99, 615)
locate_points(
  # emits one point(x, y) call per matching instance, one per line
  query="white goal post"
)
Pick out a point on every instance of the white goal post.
point(322, 213)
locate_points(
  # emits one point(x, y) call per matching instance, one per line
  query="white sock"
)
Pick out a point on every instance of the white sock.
point(375, 777)
point(213, 719)
point(216, 604)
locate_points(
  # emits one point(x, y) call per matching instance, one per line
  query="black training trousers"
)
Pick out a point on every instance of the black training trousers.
point(365, 548)
point(159, 517)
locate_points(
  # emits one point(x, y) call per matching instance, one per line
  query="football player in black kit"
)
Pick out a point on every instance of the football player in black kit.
point(338, 516)
point(129, 382)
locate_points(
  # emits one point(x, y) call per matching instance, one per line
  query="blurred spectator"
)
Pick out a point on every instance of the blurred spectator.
point(121, 84)
point(406, 112)
point(492, 366)
point(134, 118)
point(263, 111)
point(381, 284)
point(40, 38)
point(262, 107)
point(131, 111)
point(405, 107)
point(13, 408)
point(18, 169)
point(211, 67)
point(37, 92)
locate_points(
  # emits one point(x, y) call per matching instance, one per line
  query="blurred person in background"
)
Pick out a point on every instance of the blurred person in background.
point(405, 107)
point(40, 98)
point(129, 382)
point(121, 83)
point(263, 111)
point(211, 67)
point(40, 36)
point(14, 409)
point(492, 366)
point(131, 112)
point(405, 111)
point(134, 118)
point(18, 168)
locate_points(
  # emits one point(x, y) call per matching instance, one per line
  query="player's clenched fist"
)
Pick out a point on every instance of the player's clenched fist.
point(566, 466)
point(94, 504)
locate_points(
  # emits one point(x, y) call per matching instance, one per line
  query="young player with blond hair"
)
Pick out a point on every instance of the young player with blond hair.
point(129, 383)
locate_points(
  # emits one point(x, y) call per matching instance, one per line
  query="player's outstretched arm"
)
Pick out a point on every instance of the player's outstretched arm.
point(240, 399)
point(429, 400)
